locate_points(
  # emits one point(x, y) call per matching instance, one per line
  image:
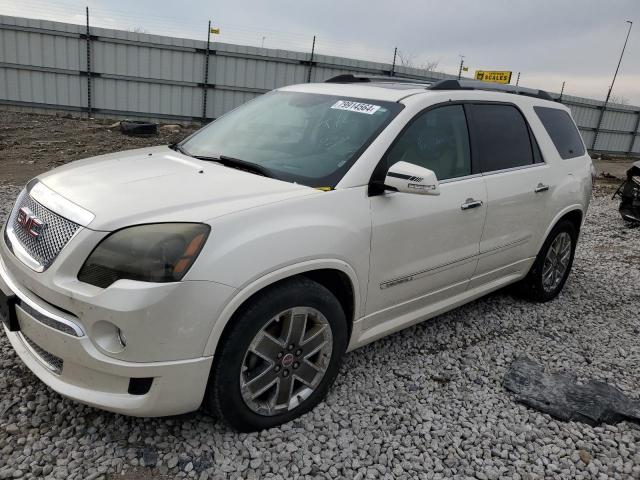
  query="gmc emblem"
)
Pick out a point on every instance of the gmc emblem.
point(29, 222)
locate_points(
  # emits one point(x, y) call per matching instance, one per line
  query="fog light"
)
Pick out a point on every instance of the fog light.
point(108, 336)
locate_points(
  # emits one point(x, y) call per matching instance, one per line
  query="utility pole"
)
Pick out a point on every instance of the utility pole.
point(461, 65)
point(313, 49)
point(561, 92)
point(89, 107)
point(205, 87)
point(606, 100)
point(518, 80)
point(263, 41)
point(393, 66)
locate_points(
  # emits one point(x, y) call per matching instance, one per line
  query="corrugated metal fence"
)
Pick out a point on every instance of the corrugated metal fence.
point(56, 66)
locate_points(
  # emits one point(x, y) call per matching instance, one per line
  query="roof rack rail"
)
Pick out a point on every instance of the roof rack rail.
point(443, 84)
point(351, 78)
point(494, 87)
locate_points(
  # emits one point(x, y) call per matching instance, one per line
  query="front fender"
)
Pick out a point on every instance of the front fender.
point(270, 278)
point(252, 249)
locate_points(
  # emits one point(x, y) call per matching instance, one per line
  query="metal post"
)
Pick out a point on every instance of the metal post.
point(461, 65)
point(518, 79)
point(606, 100)
point(635, 134)
point(393, 65)
point(89, 108)
point(313, 49)
point(561, 93)
point(205, 86)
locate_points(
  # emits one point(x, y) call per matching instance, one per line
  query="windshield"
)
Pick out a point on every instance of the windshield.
point(305, 138)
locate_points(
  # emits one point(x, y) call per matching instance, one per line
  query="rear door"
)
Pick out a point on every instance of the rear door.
point(519, 187)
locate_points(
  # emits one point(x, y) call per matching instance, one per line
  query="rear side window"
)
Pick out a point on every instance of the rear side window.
point(562, 130)
point(501, 136)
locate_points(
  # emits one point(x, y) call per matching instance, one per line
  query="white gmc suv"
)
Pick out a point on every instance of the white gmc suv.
point(235, 269)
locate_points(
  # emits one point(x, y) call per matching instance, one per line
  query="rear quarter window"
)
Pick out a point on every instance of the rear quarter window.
point(562, 130)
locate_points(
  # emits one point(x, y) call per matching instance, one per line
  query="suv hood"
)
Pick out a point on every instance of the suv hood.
point(158, 184)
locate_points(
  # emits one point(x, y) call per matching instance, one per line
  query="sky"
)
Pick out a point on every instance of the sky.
point(547, 41)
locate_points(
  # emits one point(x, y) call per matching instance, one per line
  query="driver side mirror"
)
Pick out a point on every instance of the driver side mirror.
point(409, 178)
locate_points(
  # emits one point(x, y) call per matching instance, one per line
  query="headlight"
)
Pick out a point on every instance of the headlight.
point(161, 252)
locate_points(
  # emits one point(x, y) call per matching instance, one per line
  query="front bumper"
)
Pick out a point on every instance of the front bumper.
point(177, 387)
point(71, 363)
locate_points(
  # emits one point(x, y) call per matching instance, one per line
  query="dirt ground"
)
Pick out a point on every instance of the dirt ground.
point(613, 169)
point(31, 143)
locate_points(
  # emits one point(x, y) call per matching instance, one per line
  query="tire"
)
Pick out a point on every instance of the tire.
point(260, 326)
point(138, 129)
point(533, 286)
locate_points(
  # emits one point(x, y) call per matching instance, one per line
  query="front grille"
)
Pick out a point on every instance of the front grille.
point(50, 361)
point(56, 233)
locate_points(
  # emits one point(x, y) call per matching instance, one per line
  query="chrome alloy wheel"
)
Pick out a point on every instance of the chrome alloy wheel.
point(556, 262)
point(286, 361)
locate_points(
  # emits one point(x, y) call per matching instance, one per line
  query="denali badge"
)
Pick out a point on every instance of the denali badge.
point(29, 222)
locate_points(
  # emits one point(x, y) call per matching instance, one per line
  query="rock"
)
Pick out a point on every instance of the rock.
point(171, 128)
point(149, 457)
point(584, 456)
point(12, 429)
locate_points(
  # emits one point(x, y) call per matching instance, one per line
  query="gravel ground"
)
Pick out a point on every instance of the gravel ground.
point(426, 402)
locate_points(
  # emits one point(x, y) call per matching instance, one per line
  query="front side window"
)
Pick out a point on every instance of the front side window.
point(501, 136)
point(306, 138)
point(562, 130)
point(438, 140)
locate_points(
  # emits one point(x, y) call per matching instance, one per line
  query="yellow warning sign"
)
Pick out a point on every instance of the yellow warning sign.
point(493, 76)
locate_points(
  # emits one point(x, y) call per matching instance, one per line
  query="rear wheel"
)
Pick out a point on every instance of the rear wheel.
point(553, 264)
point(280, 356)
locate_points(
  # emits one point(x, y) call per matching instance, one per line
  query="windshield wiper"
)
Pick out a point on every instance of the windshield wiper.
point(178, 148)
point(239, 164)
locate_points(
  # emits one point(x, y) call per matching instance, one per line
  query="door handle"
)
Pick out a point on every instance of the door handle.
point(541, 188)
point(471, 203)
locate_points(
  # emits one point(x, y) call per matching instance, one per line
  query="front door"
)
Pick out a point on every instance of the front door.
point(424, 248)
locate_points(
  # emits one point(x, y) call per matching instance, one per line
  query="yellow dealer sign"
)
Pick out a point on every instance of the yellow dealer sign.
point(496, 77)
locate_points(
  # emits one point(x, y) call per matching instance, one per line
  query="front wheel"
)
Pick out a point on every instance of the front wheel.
point(552, 265)
point(280, 356)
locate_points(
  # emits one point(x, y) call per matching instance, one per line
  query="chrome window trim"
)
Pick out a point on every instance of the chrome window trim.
point(58, 204)
point(458, 179)
point(24, 298)
point(513, 169)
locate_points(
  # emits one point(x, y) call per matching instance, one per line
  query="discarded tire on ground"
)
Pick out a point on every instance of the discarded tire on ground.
point(138, 129)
